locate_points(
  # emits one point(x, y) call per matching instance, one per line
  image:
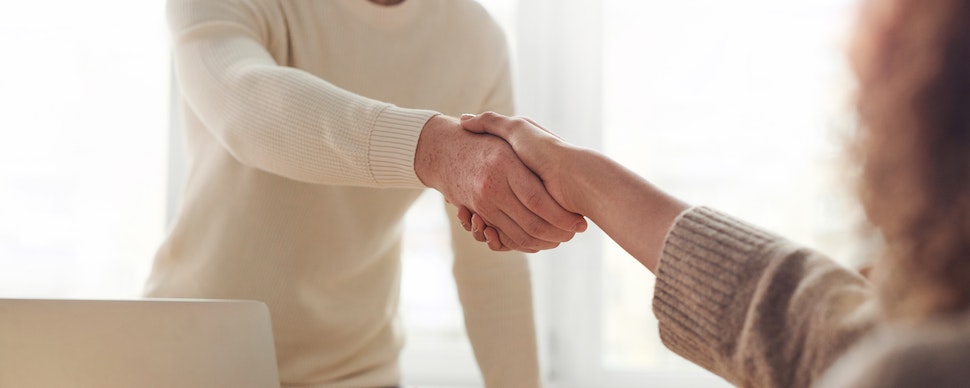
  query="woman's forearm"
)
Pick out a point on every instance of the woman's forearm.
point(633, 212)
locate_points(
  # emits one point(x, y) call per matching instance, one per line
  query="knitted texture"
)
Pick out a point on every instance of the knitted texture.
point(301, 126)
point(754, 308)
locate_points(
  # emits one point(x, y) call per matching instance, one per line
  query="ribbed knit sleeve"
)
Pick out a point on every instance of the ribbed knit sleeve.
point(753, 307)
point(280, 119)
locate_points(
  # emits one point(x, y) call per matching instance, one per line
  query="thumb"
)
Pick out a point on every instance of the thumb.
point(488, 122)
point(471, 123)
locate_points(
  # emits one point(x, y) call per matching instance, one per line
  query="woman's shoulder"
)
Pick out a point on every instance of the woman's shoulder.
point(931, 354)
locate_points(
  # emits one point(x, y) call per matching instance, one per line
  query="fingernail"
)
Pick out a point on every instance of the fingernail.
point(580, 226)
point(466, 116)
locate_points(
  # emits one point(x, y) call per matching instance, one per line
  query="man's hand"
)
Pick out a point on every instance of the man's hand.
point(541, 150)
point(633, 212)
point(482, 173)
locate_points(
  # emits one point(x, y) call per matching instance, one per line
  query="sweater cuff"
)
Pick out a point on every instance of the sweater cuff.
point(705, 279)
point(393, 141)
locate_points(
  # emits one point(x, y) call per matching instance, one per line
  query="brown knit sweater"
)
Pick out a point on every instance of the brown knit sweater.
point(761, 311)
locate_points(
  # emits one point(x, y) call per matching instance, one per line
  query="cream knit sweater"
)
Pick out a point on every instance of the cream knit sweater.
point(301, 169)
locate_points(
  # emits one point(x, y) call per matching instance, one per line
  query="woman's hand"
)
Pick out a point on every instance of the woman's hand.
point(632, 211)
point(545, 153)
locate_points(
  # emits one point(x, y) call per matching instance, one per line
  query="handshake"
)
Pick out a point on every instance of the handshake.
point(512, 180)
point(518, 186)
point(546, 155)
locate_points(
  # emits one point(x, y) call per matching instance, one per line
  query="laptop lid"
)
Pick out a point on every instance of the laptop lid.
point(136, 343)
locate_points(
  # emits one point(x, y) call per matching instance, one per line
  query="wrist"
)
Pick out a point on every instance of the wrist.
point(393, 140)
point(428, 150)
point(582, 169)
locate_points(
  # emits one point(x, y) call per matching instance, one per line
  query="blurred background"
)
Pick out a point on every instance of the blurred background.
point(740, 105)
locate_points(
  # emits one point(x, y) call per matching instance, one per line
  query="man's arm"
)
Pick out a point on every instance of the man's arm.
point(291, 123)
point(280, 119)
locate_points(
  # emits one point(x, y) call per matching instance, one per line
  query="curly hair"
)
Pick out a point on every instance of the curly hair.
point(914, 152)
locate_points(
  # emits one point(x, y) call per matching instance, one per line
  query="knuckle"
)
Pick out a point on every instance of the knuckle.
point(489, 116)
point(507, 244)
point(510, 242)
point(535, 227)
point(483, 184)
point(490, 158)
point(531, 243)
point(533, 200)
point(497, 156)
point(475, 203)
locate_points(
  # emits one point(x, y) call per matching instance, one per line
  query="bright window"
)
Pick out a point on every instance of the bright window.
point(83, 129)
point(739, 105)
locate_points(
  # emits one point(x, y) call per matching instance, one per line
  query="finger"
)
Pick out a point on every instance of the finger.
point(464, 218)
point(495, 218)
point(490, 235)
point(478, 228)
point(504, 240)
point(559, 224)
point(488, 122)
point(534, 227)
point(493, 239)
point(517, 238)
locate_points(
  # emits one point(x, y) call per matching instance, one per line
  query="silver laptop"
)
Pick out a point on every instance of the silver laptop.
point(136, 343)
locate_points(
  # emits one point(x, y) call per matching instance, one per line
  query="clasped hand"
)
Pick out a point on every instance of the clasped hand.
point(482, 175)
point(539, 149)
